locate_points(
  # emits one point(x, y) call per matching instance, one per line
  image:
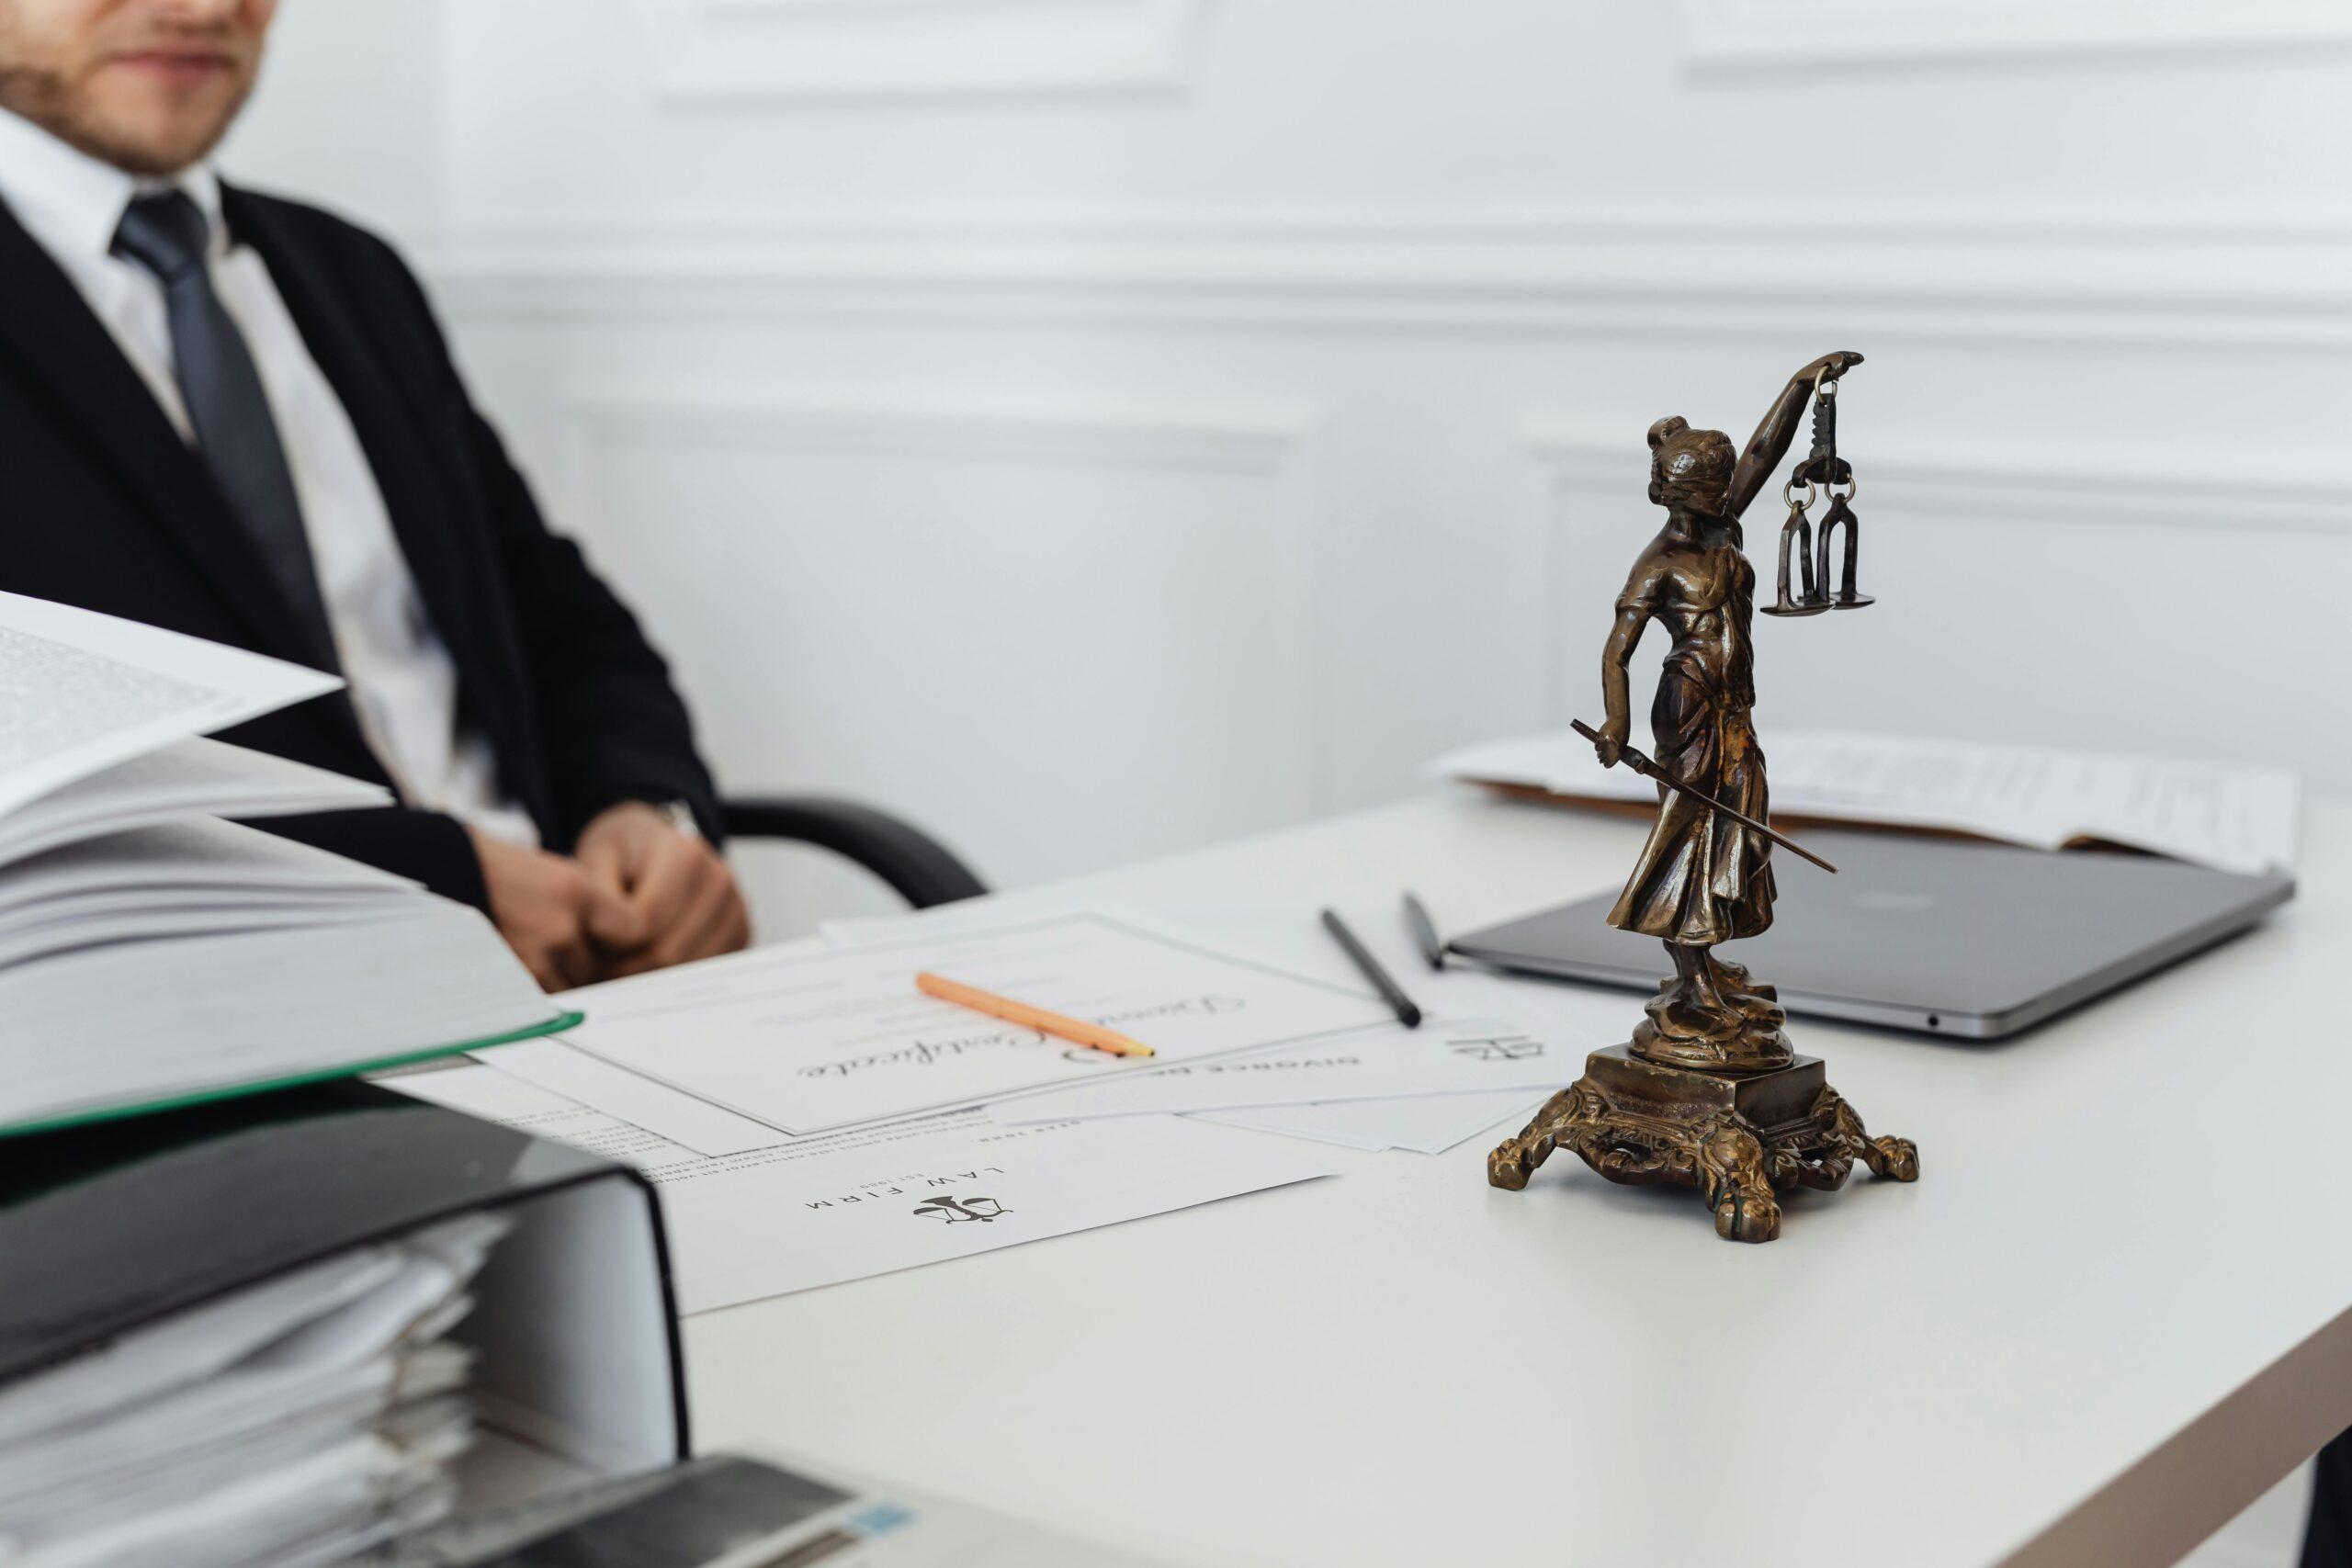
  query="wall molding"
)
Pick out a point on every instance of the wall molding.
point(1731, 34)
point(2055, 484)
point(1266, 440)
point(1263, 439)
point(2267, 282)
point(782, 53)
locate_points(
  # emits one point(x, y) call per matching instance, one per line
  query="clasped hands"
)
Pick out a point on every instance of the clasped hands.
point(635, 894)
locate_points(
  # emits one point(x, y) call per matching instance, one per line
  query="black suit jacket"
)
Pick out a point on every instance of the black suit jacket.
point(102, 504)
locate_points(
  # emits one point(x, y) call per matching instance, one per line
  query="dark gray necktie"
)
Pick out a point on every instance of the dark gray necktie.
point(166, 232)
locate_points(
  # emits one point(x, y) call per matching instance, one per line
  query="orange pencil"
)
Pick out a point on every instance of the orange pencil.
point(1075, 1030)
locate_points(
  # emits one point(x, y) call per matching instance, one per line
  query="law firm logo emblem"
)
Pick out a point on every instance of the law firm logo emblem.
point(956, 1210)
point(1497, 1047)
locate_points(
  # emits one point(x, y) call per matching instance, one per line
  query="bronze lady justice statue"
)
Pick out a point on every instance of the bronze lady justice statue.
point(1709, 1092)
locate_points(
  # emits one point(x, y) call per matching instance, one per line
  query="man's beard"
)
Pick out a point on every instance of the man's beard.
point(44, 97)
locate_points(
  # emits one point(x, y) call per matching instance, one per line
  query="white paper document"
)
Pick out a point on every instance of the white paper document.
point(670, 1114)
point(1588, 1016)
point(1430, 1125)
point(810, 1042)
point(2236, 817)
point(1443, 1057)
point(1427, 1124)
point(321, 1406)
point(1293, 939)
point(182, 879)
point(843, 1206)
point(80, 691)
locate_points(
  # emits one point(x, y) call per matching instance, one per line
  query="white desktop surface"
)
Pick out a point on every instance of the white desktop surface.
point(2111, 1311)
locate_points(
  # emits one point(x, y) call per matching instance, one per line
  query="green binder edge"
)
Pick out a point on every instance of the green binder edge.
point(555, 1025)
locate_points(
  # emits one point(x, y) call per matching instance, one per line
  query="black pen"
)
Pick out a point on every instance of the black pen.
point(1390, 992)
point(1424, 930)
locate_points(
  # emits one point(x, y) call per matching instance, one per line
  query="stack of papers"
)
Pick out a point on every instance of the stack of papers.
point(150, 951)
point(2233, 816)
point(291, 1424)
point(1490, 1049)
point(812, 1118)
point(796, 1214)
point(814, 1041)
point(177, 879)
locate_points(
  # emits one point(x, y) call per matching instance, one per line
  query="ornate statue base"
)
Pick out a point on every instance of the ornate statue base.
point(1736, 1136)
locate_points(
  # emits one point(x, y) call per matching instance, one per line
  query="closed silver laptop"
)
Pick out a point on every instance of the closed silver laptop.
point(1955, 938)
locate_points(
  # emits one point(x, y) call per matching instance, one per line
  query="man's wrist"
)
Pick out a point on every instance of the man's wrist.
point(678, 816)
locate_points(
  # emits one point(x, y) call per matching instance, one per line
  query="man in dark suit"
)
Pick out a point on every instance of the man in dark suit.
point(235, 416)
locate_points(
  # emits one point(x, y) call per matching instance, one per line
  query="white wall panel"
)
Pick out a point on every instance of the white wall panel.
point(1062, 638)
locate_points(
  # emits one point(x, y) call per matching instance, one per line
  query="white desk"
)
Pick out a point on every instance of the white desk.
point(2111, 1311)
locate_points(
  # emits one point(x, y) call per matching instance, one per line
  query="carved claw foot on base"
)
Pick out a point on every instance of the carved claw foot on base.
point(1509, 1165)
point(1733, 1176)
point(1738, 1139)
point(1897, 1159)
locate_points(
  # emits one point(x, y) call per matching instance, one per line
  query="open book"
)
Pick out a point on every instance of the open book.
point(151, 953)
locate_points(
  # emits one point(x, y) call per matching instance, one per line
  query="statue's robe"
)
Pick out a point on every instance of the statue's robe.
point(1703, 878)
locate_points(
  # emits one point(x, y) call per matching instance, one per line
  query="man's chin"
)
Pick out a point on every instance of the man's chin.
point(151, 159)
point(146, 138)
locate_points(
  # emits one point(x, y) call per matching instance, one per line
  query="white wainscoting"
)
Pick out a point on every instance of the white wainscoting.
point(2101, 501)
point(2101, 504)
point(1061, 636)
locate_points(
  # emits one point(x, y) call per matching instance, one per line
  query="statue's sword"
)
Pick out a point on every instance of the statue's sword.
point(1649, 769)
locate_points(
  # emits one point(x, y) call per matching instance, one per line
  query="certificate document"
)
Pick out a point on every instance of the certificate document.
point(817, 1041)
point(821, 1211)
point(1443, 1057)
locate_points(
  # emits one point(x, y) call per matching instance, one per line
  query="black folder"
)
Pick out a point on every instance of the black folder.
point(109, 1227)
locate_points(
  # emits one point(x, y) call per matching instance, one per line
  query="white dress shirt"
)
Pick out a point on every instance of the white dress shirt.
point(402, 681)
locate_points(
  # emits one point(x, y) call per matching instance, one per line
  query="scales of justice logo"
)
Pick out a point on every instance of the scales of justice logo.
point(963, 1211)
point(1508, 1047)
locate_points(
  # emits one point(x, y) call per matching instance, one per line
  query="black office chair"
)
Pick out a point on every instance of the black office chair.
point(919, 868)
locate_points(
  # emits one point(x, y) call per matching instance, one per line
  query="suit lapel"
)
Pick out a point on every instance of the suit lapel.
point(66, 352)
point(448, 563)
